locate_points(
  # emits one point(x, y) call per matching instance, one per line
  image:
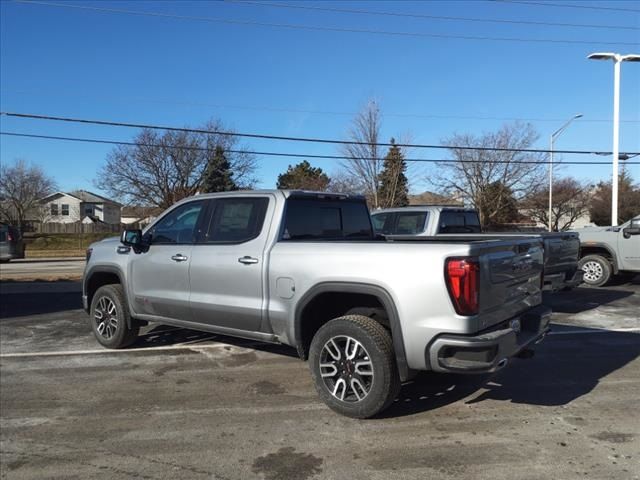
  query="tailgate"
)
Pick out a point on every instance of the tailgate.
point(510, 278)
point(561, 252)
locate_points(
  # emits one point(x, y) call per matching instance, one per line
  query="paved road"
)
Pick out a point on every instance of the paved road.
point(185, 405)
point(46, 269)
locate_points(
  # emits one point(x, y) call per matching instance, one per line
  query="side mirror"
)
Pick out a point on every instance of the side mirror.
point(131, 238)
point(627, 232)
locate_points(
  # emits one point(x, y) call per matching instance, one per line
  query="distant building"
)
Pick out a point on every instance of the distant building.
point(431, 198)
point(582, 221)
point(80, 206)
point(143, 216)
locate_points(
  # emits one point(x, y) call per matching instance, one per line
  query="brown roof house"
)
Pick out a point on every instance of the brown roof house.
point(80, 206)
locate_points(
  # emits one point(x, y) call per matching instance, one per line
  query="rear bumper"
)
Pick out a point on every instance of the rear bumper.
point(490, 350)
point(557, 281)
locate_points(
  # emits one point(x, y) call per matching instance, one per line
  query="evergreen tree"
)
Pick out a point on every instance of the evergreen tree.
point(628, 200)
point(303, 177)
point(218, 176)
point(394, 188)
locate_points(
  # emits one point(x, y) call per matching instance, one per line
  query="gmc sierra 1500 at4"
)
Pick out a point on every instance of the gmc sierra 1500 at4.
point(307, 270)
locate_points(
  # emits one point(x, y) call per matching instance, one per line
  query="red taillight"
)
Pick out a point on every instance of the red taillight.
point(461, 275)
point(9, 237)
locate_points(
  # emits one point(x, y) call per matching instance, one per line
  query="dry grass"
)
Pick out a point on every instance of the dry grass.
point(54, 253)
point(35, 277)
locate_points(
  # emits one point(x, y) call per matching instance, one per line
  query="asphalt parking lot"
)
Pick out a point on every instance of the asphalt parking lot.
point(42, 269)
point(183, 404)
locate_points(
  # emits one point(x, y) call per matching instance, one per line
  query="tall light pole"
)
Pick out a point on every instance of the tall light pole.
point(553, 138)
point(617, 60)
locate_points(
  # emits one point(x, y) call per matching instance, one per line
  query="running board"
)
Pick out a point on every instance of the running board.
point(231, 332)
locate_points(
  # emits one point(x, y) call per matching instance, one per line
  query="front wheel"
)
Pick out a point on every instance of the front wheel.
point(597, 270)
point(110, 318)
point(353, 366)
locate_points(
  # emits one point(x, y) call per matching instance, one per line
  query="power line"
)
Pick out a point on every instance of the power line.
point(282, 154)
point(429, 17)
point(323, 28)
point(299, 110)
point(292, 139)
point(566, 5)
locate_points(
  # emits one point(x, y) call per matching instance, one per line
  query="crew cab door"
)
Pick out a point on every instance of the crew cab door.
point(228, 263)
point(629, 246)
point(159, 277)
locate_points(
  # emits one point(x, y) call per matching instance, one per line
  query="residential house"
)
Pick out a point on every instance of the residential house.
point(142, 216)
point(80, 206)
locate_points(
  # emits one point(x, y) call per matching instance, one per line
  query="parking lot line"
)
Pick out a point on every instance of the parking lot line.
point(592, 330)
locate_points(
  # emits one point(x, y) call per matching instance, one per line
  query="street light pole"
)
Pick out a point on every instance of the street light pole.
point(550, 182)
point(617, 60)
point(553, 137)
point(616, 141)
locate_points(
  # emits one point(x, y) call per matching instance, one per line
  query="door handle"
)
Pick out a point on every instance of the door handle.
point(179, 258)
point(247, 260)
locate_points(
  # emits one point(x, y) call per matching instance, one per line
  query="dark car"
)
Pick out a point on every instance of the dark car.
point(11, 244)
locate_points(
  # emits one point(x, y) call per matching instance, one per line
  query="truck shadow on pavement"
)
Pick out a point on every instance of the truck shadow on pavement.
point(164, 335)
point(583, 299)
point(568, 365)
point(565, 368)
point(21, 299)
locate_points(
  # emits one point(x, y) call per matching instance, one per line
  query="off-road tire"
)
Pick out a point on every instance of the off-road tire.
point(119, 333)
point(597, 270)
point(377, 344)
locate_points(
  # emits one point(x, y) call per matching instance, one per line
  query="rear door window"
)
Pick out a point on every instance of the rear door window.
point(382, 222)
point(236, 220)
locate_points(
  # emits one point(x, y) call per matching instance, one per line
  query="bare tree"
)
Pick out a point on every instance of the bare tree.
point(365, 160)
point(162, 168)
point(469, 178)
point(22, 186)
point(343, 182)
point(570, 202)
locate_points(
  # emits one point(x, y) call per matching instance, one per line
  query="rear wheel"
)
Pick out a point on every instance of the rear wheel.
point(597, 270)
point(110, 318)
point(353, 366)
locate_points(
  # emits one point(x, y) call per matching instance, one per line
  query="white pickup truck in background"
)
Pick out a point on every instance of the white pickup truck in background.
point(561, 249)
point(609, 251)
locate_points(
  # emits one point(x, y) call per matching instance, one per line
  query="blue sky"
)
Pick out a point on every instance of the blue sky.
point(82, 63)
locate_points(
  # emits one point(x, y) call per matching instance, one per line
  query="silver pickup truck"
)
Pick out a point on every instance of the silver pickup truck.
point(307, 270)
point(561, 269)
